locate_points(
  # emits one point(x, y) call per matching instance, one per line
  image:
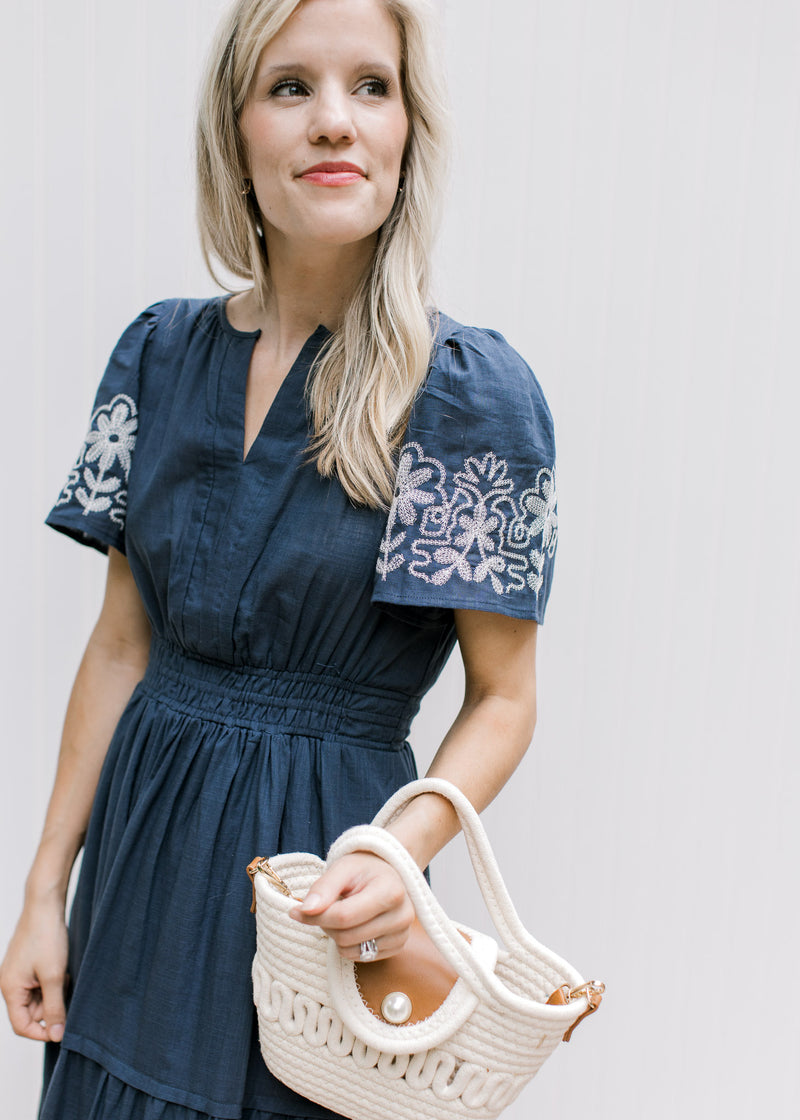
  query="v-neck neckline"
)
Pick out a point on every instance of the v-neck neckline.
point(303, 360)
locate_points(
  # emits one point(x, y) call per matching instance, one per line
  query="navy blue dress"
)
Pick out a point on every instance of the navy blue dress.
point(294, 635)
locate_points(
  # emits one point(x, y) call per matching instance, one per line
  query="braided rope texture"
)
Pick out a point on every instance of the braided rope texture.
point(475, 1073)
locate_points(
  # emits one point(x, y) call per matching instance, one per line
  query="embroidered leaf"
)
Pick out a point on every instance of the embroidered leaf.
point(464, 570)
point(386, 567)
point(394, 543)
point(90, 504)
point(455, 560)
point(107, 485)
point(489, 566)
point(497, 584)
point(446, 556)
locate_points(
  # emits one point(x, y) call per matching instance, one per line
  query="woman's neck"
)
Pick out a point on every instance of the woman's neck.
point(306, 289)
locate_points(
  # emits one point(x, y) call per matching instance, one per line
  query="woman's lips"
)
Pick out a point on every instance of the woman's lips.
point(333, 174)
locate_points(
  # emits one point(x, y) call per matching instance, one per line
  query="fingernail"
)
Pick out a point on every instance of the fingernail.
point(56, 1032)
point(311, 900)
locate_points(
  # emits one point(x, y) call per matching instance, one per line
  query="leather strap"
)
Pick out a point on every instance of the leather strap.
point(594, 995)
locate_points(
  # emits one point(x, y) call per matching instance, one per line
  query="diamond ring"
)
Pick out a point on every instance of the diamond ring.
point(368, 951)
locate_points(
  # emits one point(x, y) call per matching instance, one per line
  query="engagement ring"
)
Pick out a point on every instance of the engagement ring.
point(369, 951)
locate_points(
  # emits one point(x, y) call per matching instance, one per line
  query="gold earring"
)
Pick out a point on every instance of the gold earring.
point(247, 186)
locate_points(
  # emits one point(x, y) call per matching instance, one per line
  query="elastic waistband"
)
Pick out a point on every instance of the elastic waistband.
point(316, 705)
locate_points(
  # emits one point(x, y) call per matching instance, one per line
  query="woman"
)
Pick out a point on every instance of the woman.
point(307, 491)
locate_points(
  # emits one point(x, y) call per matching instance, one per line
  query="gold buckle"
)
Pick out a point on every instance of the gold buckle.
point(593, 991)
point(260, 863)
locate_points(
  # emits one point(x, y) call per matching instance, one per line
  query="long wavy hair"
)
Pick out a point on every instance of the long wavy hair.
point(363, 384)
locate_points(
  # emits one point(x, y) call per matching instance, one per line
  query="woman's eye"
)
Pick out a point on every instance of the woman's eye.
point(289, 87)
point(375, 87)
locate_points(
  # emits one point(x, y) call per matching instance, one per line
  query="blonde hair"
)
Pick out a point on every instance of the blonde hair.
point(364, 382)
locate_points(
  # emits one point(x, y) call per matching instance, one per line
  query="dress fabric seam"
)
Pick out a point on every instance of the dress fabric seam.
point(391, 746)
point(214, 420)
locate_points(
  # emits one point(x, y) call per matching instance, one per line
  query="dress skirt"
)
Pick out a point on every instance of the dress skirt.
point(210, 766)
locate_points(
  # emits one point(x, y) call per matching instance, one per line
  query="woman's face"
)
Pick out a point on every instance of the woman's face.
point(325, 125)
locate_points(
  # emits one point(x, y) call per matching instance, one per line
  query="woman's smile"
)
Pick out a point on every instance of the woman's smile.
point(333, 174)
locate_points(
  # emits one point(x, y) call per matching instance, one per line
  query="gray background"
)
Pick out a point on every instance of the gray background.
point(624, 208)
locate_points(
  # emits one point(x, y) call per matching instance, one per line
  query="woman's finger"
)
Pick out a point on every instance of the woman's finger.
point(387, 926)
point(25, 1013)
point(353, 891)
point(387, 947)
point(371, 905)
point(337, 881)
point(53, 1011)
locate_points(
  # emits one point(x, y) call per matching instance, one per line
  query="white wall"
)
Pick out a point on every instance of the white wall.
point(624, 209)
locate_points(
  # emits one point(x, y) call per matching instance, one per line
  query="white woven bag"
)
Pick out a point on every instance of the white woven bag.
point(472, 1056)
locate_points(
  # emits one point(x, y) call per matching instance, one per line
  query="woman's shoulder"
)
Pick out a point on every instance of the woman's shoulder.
point(477, 371)
point(163, 333)
point(181, 315)
point(479, 355)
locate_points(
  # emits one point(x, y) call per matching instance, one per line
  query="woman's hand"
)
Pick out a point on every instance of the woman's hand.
point(359, 898)
point(33, 974)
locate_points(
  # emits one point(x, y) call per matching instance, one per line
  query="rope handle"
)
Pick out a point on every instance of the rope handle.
point(437, 924)
point(439, 927)
point(484, 864)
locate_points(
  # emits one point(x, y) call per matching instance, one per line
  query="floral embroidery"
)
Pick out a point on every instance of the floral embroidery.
point(475, 525)
point(102, 488)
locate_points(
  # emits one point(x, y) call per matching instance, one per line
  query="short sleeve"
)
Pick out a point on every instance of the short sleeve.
point(92, 504)
point(473, 523)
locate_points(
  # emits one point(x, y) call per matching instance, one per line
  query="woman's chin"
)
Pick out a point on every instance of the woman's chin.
point(342, 235)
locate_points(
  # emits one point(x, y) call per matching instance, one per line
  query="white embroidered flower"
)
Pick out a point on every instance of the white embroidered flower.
point(409, 498)
point(114, 437)
point(109, 443)
point(407, 495)
point(537, 514)
point(477, 529)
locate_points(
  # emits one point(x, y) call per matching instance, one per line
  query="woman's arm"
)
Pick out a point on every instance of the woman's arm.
point(33, 972)
point(361, 897)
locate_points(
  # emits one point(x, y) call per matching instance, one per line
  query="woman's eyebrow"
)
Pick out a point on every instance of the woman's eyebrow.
point(281, 68)
point(297, 67)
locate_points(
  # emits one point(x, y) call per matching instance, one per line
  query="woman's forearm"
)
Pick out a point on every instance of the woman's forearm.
point(479, 754)
point(102, 688)
point(114, 662)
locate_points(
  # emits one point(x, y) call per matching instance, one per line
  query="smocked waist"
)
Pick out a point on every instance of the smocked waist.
point(312, 704)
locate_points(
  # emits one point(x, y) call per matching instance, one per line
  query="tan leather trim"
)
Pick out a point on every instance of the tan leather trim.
point(562, 996)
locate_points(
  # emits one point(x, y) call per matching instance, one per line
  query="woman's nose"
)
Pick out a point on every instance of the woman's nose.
point(332, 118)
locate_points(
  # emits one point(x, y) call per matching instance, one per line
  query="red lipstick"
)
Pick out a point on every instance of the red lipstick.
point(333, 174)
